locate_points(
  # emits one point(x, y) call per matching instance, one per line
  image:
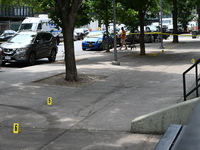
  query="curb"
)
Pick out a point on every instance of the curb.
point(158, 121)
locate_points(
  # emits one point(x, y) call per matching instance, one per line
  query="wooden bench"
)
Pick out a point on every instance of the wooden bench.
point(170, 137)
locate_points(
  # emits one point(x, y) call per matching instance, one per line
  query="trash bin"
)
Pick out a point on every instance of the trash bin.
point(194, 34)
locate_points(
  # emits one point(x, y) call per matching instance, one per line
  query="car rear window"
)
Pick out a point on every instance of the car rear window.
point(47, 37)
point(95, 34)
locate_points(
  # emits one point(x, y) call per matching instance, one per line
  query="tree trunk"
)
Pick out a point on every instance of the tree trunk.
point(68, 14)
point(198, 12)
point(107, 41)
point(107, 24)
point(175, 16)
point(142, 42)
point(70, 62)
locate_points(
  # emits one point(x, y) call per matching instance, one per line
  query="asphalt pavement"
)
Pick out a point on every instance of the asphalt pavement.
point(97, 116)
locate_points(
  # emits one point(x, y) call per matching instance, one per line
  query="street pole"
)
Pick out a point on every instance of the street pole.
point(115, 62)
point(161, 27)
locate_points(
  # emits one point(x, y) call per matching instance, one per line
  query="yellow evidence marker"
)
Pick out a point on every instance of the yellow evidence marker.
point(155, 54)
point(49, 101)
point(193, 61)
point(170, 47)
point(163, 51)
point(16, 128)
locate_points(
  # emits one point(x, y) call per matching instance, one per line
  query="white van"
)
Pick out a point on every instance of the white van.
point(40, 23)
point(166, 22)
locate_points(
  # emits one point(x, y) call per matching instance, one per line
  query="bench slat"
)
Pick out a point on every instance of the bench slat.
point(168, 138)
point(180, 136)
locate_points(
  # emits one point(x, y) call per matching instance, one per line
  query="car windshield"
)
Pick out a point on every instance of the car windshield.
point(95, 34)
point(28, 26)
point(153, 28)
point(22, 38)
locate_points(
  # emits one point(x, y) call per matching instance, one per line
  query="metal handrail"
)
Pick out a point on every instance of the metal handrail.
point(185, 93)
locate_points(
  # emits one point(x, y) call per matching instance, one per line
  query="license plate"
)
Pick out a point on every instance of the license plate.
point(90, 45)
point(7, 57)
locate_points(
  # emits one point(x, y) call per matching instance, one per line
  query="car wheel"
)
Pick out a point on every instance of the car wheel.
point(52, 56)
point(32, 59)
point(3, 63)
point(83, 49)
point(104, 46)
point(152, 39)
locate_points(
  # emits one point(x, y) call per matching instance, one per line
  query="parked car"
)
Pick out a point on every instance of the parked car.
point(164, 30)
point(75, 36)
point(156, 36)
point(28, 46)
point(97, 40)
point(81, 33)
point(179, 28)
point(6, 34)
point(118, 39)
point(148, 38)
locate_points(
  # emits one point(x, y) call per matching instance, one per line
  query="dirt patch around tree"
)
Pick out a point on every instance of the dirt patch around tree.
point(83, 80)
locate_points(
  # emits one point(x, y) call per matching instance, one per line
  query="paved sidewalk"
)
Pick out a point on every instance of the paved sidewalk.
point(97, 116)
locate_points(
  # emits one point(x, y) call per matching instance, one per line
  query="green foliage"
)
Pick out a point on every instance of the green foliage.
point(83, 17)
point(184, 13)
point(140, 5)
point(84, 11)
point(185, 8)
point(103, 11)
point(167, 7)
point(131, 9)
point(49, 7)
point(128, 17)
point(127, 10)
point(194, 2)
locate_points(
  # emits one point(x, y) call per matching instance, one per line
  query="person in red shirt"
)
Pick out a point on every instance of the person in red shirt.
point(122, 35)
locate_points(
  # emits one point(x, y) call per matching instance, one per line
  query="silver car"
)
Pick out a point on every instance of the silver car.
point(28, 46)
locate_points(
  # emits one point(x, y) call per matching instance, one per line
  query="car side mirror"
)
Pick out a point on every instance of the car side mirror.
point(37, 41)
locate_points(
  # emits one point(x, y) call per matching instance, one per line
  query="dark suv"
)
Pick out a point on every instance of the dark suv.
point(28, 46)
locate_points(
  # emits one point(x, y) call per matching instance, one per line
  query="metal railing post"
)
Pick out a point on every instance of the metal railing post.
point(196, 77)
point(196, 88)
point(184, 87)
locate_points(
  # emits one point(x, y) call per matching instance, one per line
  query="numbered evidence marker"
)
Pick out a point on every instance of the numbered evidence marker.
point(49, 101)
point(16, 128)
point(193, 61)
point(170, 47)
point(163, 51)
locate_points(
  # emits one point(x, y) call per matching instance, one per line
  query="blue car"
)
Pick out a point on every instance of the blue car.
point(97, 40)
